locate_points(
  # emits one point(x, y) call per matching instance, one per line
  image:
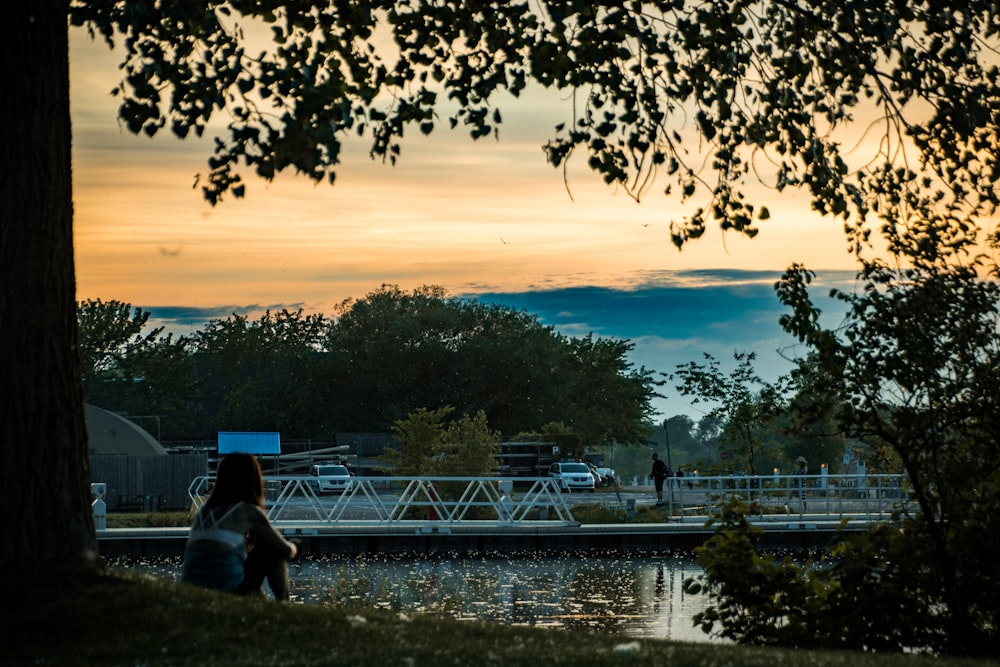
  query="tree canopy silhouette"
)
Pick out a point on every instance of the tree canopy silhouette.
point(707, 96)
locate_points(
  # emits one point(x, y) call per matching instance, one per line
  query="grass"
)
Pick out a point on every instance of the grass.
point(180, 519)
point(114, 618)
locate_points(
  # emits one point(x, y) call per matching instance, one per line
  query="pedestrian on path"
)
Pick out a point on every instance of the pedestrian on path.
point(658, 474)
point(798, 484)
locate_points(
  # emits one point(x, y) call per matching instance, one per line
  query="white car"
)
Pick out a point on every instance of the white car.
point(330, 478)
point(572, 476)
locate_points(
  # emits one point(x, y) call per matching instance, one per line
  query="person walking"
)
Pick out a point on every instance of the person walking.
point(680, 473)
point(801, 470)
point(658, 474)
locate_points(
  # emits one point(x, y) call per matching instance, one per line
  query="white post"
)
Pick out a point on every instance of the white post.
point(99, 508)
point(506, 487)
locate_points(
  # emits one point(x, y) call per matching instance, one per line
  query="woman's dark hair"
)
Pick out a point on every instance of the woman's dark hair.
point(238, 479)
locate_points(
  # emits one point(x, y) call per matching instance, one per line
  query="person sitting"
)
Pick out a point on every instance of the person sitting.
point(232, 545)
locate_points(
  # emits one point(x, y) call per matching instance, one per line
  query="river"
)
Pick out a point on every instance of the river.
point(639, 596)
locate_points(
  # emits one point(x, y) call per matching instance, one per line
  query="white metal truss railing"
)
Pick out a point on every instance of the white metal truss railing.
point(492, 500)
point(392, 500)
point(874, 496)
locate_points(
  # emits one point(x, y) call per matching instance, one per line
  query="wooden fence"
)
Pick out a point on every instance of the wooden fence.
point(147, 483)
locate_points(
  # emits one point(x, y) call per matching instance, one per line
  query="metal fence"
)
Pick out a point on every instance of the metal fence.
point(147, 483)
point(869, 495)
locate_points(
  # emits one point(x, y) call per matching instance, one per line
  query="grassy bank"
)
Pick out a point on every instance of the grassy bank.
point(119, 618)
point(180, 519)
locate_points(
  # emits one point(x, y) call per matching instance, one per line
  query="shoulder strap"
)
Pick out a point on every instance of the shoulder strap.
point(208, 519)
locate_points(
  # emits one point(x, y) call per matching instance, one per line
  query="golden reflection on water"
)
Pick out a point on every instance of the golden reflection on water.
point(640, 596)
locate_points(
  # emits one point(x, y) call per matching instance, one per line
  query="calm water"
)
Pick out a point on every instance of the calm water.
point(633, 597)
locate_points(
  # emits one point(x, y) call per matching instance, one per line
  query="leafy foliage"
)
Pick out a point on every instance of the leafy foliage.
point(912, 373)
point(868, 592)
point(139, 371)
point(570, 444)
point(609, 398)
point(260, 374)
point(680, 430)
point(809, 425)
point(470, 447)
point(463, 447)
point(421, 435)
point(756, 595)
point(766, 90)
point(745, 413)
point(384, 357)
point(395, 352)
point(914, 370)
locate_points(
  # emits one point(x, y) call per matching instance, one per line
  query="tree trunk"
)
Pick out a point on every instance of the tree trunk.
point(44, 476)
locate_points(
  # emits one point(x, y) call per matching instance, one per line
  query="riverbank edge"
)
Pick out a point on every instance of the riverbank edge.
point(114, 617)
point(427, 538)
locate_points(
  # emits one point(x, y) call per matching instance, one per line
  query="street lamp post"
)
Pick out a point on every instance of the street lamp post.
point(666, 439)
point(670, 466)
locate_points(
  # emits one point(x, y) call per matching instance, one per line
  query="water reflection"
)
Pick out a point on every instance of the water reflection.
point(634, 597)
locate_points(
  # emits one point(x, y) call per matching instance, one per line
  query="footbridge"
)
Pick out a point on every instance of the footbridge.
point(482, 514)
point(387, 501)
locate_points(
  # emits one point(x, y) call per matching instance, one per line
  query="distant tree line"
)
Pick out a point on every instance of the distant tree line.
point(382, 359)
point(376, 361)
point(753, 427)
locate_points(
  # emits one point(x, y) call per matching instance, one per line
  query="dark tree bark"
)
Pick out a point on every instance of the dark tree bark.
point(44, 476)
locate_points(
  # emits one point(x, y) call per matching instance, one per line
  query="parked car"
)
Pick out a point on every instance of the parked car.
point(572, 476)
point(607, 476)
point(330, 478)
point(598, 477)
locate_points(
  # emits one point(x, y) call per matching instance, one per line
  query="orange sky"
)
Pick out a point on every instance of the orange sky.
point(483, 217)
point(478, 218)
point(470, 216)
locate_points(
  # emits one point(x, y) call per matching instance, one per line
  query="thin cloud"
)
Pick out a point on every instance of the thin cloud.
point(676, 318)
point(188, 319)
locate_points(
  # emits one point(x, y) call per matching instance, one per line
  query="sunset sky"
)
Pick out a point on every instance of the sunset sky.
point(487, 219)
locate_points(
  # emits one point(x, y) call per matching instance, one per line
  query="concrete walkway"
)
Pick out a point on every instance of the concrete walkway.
point(430, 537)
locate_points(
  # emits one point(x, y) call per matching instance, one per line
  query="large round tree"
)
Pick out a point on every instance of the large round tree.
point(692, 97)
